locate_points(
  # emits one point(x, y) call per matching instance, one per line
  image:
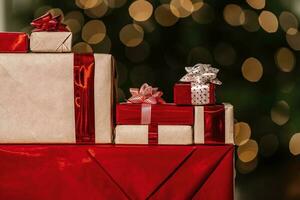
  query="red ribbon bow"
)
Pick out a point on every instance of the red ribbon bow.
point(48, 22)
point(146, 94)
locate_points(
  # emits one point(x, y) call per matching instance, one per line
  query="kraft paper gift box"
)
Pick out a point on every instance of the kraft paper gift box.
point(214, 124)
point(56, 98)
point(204, 172)
point(168, 124)
point(51, 42)
point(13, 42)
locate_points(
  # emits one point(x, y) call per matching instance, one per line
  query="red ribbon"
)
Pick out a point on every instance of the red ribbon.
point(84, 69)
point(49, 23)
point(214, 123)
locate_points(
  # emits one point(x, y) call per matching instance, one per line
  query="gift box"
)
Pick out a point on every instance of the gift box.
point(51, 42)
point(197, 87)
point(147, 119)
point(13, 42)
point(214, 124)
point(184, 95)
point(50, 35)
point(117, 172)
point(56, 98)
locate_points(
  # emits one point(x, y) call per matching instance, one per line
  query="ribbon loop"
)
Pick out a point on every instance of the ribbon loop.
point(49, 23)
point(145, 94)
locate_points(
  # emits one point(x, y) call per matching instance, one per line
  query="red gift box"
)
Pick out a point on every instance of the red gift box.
point(183, 94)
point(116, 172)
point(13, 42)
point(162, 114)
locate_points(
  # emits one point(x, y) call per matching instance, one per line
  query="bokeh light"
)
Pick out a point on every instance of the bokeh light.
point(242, 133)
point(246, 167)
point(115, 3)
point(285, 59)
point(295, 144)
point(56, 11)
point(234, 15)
point(293, 40)
point(93, 32)
point(204, 14)
point(248, 151)
point(74, 20)
point(257, 4)
point(288, 22)
point(251, 21)
point(164, 16)
point(97, 11)
point(104, 46)
point(140, 10)
point(181, 8)
point(280, 112)
point(82, 47)
point(131, 35)
point(86, 4)
point(268, 21)
point(252, 69)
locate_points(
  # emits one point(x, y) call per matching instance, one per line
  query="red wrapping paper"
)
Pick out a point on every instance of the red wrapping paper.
point(93, 172)
point(162, 114)
point(13, 42)
point(183, 96)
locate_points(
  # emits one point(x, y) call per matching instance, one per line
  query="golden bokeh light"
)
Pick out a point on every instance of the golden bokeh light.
point(41, 11)
point(131, 35)
point(285, 59)
point(268, 145)
point(268, 21)
point(73, 25)
point(204, 15)
point(251, 21)
point(252, 69)
point(87, 4)
point(242, 133)
point(248, 151)
point(294, 144)
point(82, 47)
point(280, 113)
point(138, 53)
point(245, 168)
point(164, 16)
point(224, 54)
point(234, 15)
point(98, 11)
point(181, 8)
point(93, 32)
point(288, 22)
point(56, 11)
point(293, 40)
point(140, 10)
point(257, 4)
point(115, 3)
point(104, 46)
point(197, 4)
point(75, 15)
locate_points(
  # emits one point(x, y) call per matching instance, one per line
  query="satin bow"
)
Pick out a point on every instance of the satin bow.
point(48, 22)
point(201, 74)
point(146, 94)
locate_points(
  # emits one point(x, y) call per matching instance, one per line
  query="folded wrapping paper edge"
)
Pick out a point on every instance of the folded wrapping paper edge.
point(167, 134)
point(25, 38)
point(199, 127)
point(41, 42)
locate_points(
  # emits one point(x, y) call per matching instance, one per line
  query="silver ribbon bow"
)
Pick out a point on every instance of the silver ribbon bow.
point(200, 75)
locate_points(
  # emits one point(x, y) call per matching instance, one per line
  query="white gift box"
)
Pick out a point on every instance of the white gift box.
point(51, 42)
point(37, 98)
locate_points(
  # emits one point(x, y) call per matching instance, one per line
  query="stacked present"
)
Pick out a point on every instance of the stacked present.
point(194, 118)
point(52, 96)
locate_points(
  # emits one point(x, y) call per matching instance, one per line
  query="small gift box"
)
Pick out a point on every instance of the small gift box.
point(13, 42)
point(197, 87)
point(50, 35)
point(147, 119)
point(56, 98)
point(214, 124)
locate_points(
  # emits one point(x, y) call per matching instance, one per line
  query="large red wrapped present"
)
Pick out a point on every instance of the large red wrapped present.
point(56, 98)
point(13, 42)
point(197, 87)
point(142, 121)
point(116, 172)
point(214, 124)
